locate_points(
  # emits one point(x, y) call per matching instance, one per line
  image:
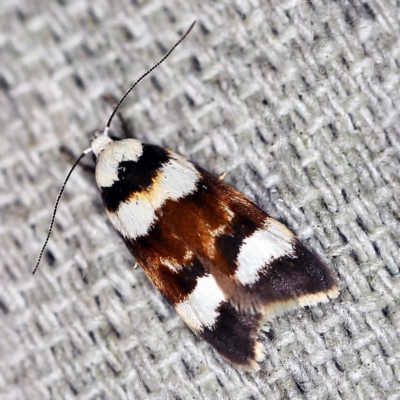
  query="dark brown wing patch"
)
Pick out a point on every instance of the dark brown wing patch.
point(234, 336)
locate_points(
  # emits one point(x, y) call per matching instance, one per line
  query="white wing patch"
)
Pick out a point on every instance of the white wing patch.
point(200, 309)
point(261, 248)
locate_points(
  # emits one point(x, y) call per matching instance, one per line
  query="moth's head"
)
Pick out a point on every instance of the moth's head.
point(100, 141)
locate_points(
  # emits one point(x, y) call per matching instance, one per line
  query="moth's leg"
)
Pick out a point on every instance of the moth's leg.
point(72, 158)
point(222, 176)
point(126, 126)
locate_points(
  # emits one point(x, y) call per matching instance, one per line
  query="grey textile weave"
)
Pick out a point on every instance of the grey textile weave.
point(298, 101)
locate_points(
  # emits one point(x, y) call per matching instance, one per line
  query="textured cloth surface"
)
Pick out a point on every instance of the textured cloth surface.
point(298, 101)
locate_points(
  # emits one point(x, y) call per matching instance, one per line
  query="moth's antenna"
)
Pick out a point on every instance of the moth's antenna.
point(147, 73)
point(88, 150)
point(105, 131)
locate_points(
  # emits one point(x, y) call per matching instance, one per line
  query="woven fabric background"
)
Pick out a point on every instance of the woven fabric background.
point(298, 101)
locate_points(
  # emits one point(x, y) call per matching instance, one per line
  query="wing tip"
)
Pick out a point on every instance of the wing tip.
point(251, 364)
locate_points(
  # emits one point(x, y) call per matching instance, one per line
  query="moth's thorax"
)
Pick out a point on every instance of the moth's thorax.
point(109, 154)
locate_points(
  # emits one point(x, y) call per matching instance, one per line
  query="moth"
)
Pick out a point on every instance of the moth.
point(223, 264)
